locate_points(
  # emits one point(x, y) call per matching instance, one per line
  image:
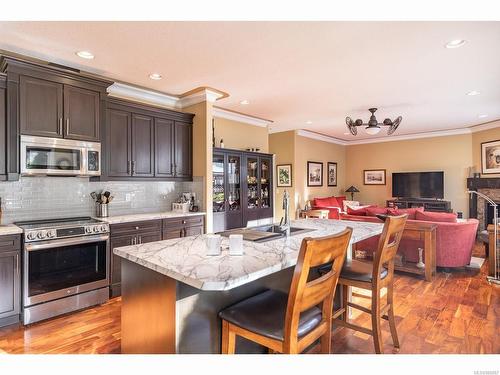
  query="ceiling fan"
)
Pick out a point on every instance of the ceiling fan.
point(373, 126)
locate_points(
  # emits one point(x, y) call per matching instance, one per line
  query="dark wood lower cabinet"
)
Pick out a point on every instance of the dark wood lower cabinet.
point(10, 279)
point(135, 233)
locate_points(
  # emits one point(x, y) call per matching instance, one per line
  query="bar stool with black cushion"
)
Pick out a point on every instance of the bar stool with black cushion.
point(374, 277)
point(290, 323)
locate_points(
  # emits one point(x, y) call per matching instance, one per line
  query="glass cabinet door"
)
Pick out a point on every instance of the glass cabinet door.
point(233, 182)
point(219, 193)
point(252, 183)
point(265, 183)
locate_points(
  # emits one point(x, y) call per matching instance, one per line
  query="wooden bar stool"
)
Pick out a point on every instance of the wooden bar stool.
point(290, 323)
point(374, 277)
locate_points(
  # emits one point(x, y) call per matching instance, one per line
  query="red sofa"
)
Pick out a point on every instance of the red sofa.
point(332, 204)
point(454, 240)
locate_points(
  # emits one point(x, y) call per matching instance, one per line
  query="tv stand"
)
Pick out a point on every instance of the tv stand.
point(428, 204)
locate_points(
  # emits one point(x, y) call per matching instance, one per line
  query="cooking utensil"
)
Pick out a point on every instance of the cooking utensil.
point(107, 194)
point(110, 199)
point(104, 200)
point(93, 195)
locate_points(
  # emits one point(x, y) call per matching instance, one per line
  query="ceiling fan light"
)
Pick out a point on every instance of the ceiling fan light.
point(372, 130)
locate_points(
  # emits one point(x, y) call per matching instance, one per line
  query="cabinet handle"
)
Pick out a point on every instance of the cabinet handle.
point(67, 126)
point(133, 167)
point(17, 264)
point(134, 241)
point(175, 169)
point(129, 167)
point(140, 239)
point(136, 228)
point(60, 126)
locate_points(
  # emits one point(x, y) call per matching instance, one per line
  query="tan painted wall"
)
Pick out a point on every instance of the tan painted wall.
point(477, 139)
point(202, 153)
point(240, 136)
point(283, 146)
point(307, 149)
point(452, 154)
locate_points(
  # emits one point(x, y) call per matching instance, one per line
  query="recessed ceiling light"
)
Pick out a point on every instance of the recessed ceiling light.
point(482, 116)
point(244, 102)
point(309, 122)
point(455, 43)
point(85, 55)
point(473, 93)
point(155, 76)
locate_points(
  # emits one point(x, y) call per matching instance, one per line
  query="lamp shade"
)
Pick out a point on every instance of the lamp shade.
point(352, 189)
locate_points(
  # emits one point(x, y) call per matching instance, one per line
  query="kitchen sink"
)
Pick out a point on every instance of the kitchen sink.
point(264, 233)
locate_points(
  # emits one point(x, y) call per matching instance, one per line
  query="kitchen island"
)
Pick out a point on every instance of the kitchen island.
point(172, 290)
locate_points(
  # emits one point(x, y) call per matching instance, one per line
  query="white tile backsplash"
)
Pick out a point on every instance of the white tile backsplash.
point(33, 198)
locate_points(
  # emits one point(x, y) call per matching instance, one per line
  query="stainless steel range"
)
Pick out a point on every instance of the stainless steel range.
point(65, 266)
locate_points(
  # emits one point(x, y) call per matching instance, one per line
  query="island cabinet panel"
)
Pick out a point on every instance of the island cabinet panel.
point(126, 234)
point(81, 114)
point(142, 146)
point(10, 279)
point(40, 107)
point(161, 143)
point(164, 152)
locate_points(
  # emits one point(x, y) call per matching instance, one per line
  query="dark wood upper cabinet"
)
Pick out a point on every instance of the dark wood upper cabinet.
point(160, 142)
point(40, 107)
point(164, 153)
point(183, 149)
point(118, 147)
point(142, 146)
point(3, 123)
point(81, 114)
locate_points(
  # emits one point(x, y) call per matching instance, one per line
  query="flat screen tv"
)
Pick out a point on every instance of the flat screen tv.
point(418, 185)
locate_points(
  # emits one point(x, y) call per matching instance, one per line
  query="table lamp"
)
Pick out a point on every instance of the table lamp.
point(352, 190)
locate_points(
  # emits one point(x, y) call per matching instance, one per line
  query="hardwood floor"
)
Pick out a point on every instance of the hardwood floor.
point(459, 312)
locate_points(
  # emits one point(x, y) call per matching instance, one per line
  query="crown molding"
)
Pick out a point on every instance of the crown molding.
point(202, 94)
point(408, 137)
point(219, 112)
point(321, 137)
point(486, 126)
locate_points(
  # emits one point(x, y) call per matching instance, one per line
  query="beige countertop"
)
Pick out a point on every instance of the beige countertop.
point(10, 229)
point(117, 219)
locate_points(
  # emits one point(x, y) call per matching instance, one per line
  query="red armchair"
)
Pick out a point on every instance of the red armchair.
point(332, 204)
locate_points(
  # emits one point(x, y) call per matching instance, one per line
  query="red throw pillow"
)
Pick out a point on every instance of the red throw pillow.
point(340, 201)
point(326, 202)
point(401, 211)
point(356, 211)
point(374, 211)
point(441, 217)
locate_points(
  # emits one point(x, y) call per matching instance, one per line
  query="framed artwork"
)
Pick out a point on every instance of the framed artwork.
point(332, 174)
point(374, 177)
point(284, 173)
point(490, 157)
point(314, 173)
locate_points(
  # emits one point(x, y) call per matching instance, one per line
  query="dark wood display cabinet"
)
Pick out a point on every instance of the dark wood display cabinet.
point(144, 142)
point(242, 188)
point(140, 232)
point(10, 279)
point(48, 100)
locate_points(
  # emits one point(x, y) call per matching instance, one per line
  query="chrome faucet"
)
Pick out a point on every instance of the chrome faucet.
point(285, 221)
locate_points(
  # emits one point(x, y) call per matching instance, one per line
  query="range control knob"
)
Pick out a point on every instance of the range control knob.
point(51, 233)
point(88, 230)
point(96, 229)
point(103, 228)
point(42, 234)
point(31, 236)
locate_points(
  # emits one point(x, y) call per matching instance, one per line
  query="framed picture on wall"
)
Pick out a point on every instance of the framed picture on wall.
point(284, 173)
point(490, 157)
point(332, 174)
point(314, 173)
point(374, 177)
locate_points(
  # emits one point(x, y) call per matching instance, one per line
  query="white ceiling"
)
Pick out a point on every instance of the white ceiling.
point(293, 72)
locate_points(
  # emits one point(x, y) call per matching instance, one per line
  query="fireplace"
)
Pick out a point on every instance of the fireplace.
point(478, 208)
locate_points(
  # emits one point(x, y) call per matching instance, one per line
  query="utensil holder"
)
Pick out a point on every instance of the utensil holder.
point(101, 210)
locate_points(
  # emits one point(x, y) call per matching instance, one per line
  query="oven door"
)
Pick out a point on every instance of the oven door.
point(59, 268)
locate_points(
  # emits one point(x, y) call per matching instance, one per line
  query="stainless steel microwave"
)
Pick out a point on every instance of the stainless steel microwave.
point(59, 157)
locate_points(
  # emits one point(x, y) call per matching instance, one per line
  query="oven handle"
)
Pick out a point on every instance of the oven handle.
point(65, 242)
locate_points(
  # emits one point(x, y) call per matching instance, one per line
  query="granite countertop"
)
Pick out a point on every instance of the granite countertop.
point(10, 229)
point(117, 219)
point(186, 260)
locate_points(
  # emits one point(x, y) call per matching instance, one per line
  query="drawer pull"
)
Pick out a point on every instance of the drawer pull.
point(136, 228)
